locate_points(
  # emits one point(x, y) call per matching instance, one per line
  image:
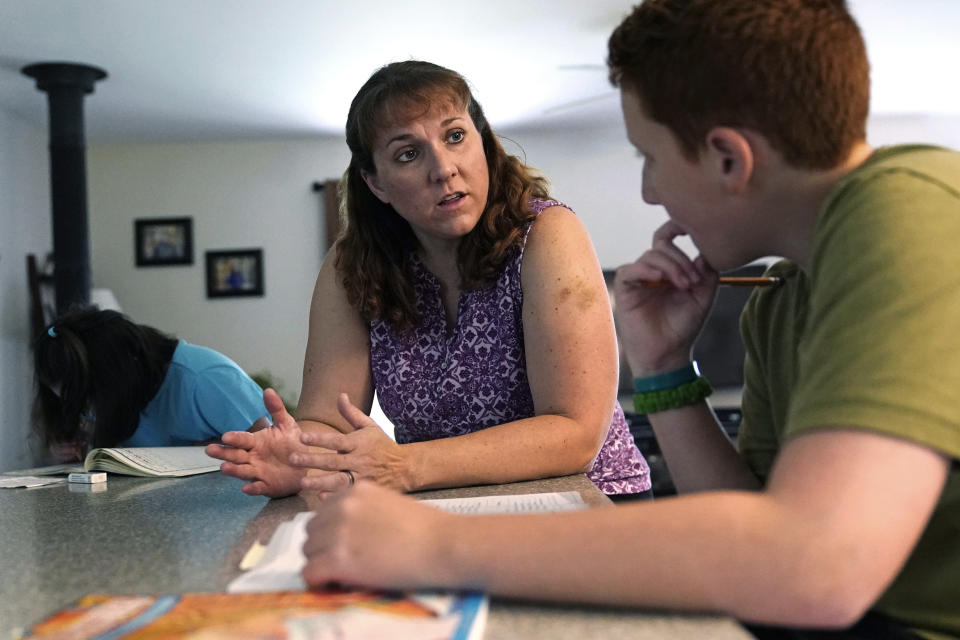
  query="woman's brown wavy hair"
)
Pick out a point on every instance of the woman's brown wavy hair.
point(372, 250)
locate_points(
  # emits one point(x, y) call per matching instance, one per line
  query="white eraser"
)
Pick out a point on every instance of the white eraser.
point(87, 478)
point(82, 487)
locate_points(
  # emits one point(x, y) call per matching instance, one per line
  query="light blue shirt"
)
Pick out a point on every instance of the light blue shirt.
point(204, 395)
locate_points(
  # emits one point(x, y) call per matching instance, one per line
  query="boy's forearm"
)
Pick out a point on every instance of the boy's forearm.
point(636, 556)
point(812, 549)
point(698, 452)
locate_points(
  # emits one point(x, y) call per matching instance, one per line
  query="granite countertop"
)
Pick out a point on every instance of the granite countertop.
point(155, 535)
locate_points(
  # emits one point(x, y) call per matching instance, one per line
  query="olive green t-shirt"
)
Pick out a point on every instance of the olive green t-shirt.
point(870, 339)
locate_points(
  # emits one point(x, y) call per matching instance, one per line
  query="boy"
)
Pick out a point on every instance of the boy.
point(842, 507)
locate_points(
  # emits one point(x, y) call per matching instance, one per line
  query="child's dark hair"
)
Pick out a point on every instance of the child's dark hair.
point(97, 361)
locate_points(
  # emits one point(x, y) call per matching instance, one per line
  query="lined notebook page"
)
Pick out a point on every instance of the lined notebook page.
point(523, 503)
point(173, 461)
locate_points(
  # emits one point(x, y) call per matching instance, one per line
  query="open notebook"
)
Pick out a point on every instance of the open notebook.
point(134, 461)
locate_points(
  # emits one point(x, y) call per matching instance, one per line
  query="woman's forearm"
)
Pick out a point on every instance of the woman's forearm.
point(537, 447)
point(314, 424)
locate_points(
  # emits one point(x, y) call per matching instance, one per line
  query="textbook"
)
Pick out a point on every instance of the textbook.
point(166, 462)
point(332, 614)
point(151, 461)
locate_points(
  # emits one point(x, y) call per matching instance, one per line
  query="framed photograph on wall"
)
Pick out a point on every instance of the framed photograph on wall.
point(163, 241)
point(234, 272)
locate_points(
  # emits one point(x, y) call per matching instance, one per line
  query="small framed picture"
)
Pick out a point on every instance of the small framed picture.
point(234, 272)
point(163, 241)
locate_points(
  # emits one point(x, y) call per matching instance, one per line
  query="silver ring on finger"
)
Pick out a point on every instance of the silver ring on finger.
point(350, 479)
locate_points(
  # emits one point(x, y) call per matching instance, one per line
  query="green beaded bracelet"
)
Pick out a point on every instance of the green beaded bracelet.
point(681, 396)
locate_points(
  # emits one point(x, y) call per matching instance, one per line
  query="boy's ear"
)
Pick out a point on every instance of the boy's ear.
point(374, 186)
point(732, 156)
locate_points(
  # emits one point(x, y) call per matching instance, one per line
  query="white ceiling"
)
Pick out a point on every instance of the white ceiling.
point(236, 69)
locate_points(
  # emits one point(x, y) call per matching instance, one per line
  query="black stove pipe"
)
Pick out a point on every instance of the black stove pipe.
point(66, 84)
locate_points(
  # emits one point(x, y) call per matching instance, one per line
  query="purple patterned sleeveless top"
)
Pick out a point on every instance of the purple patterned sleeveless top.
point(432, 383)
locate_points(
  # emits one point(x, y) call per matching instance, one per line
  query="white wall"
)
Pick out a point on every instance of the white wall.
point(943, 130)
point(24, 228)
point(596, 172)
point(240, 195)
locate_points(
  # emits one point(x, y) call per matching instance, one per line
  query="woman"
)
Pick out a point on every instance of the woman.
point(104, 381)
point(470, 302)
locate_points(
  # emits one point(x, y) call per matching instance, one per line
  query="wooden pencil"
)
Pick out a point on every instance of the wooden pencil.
point(759, 281)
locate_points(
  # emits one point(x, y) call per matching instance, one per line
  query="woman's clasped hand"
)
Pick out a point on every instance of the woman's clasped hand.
point(282, 460)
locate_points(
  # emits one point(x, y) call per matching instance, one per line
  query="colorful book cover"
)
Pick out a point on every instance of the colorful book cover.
point(340, 615)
